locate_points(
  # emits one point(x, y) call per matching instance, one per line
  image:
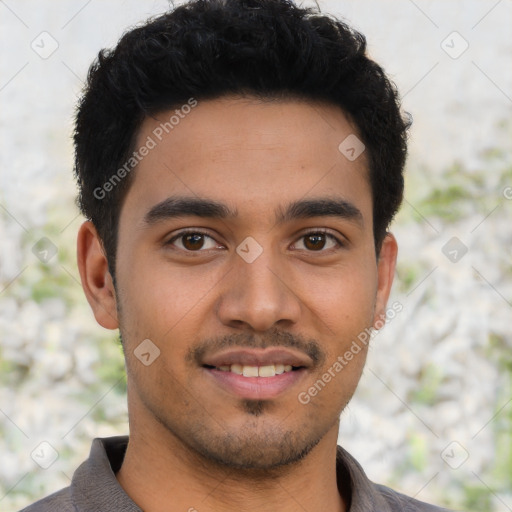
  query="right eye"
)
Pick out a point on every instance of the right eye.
point(191, 240)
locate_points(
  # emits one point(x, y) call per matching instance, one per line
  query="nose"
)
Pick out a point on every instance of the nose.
point(259, 295)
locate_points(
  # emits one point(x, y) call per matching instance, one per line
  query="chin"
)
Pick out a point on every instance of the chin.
point(251, 451)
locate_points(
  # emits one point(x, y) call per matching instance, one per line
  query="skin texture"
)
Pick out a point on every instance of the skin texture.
point(192, 442)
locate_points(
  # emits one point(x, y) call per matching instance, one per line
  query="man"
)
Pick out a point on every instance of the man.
point(239, 163)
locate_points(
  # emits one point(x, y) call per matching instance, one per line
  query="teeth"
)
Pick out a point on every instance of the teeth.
point(250, 371)
point(256, 371)
point(237, 368)
point(266, 371)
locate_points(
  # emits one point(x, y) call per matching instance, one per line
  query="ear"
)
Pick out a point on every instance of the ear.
point(385, 275)
point(96, 279)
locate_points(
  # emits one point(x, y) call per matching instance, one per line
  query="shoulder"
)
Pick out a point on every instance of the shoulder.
point(60, 500)
point(403, 503)
point(367, 496)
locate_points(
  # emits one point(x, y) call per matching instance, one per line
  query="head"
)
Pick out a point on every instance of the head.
point(231, 120)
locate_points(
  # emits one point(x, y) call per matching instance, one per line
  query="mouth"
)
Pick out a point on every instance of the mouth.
point(257, 373)
point(269, 370)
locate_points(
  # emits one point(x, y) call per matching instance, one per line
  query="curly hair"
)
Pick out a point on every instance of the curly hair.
point(206, 49)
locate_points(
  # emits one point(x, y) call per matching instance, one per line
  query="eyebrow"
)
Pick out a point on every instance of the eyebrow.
point(184, 206)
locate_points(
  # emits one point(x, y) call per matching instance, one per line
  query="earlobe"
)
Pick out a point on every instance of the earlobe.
point(385, 274)
point(95, 276)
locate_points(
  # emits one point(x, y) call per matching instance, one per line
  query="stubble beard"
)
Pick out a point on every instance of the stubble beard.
point(253, 450)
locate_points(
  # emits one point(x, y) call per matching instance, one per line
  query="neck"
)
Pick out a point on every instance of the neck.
point(158, 470)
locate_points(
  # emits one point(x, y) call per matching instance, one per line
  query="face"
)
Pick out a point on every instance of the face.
point(246, 255)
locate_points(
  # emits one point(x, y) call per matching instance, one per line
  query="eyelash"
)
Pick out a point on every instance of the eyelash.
point(338, 242)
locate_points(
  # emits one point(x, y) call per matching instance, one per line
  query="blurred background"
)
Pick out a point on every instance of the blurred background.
point(432, 416)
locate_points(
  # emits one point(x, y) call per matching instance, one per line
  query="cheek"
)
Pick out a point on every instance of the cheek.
point(160, 297)
point(345, 298)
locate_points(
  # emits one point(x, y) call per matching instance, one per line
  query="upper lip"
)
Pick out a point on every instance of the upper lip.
point(258, 357)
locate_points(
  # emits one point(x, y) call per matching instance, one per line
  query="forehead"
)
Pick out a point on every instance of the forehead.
point(250, 152)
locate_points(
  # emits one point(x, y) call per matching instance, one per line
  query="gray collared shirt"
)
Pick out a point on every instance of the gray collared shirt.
point(94, 487)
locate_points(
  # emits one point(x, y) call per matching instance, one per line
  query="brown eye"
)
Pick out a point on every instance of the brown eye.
point(314, 242)
point(319, 241)
point(192, 241)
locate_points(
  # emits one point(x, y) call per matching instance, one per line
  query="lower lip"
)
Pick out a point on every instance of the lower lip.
point(256, 388)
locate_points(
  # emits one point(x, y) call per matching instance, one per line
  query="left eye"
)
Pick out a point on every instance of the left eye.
point(316, 241)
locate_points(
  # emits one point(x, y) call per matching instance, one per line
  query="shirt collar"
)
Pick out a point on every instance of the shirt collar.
point(364, 496)
point(95, 486)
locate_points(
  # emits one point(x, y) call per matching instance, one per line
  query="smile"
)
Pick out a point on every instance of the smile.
point(255, 373)
point(269, 370)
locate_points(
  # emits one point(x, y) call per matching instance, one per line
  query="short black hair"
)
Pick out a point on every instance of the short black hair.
point(207, 49)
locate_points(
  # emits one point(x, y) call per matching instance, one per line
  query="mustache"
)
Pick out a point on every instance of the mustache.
point(274, 338)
